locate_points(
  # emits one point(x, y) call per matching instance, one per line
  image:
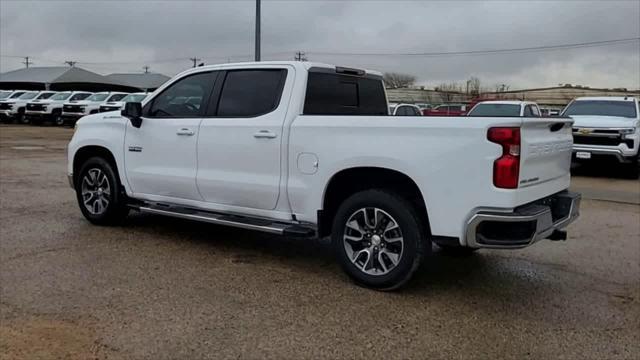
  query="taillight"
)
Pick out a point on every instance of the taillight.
point(506, 169)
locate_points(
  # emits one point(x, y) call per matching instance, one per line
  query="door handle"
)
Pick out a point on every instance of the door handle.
point(186, 132)
point(265, 134)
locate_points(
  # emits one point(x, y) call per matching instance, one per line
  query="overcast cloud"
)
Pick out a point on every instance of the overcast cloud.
point(123, 36)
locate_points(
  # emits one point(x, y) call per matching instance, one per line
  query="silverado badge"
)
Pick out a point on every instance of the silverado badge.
point(585, 131)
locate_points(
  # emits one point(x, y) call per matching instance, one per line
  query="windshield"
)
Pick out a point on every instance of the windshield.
point(28, 95)
point(602, 108)
point(116, 97)
point(61, 96)
point(45, 95)
point(495, 110)
point(134, 97)
point(16, 95)
point(80, 96)
point(98, 97)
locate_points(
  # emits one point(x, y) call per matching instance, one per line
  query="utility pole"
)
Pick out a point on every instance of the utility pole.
point(300, 56)
point(146, 69)
point(195, 61)
point(71, 63)
point(27, 62)
point(257, 40)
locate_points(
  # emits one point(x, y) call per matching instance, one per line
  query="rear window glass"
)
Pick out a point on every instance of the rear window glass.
point(602, 108)
point(495, 110)
point(335, 94)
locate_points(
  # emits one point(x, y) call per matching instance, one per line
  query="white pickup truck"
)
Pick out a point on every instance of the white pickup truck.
point(308, 150)
point(608, 128)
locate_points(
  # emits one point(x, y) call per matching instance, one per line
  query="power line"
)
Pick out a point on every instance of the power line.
point(486, 51)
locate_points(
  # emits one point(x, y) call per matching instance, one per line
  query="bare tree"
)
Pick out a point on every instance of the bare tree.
point(398, 80)
point(473, 86)
point(448, 91)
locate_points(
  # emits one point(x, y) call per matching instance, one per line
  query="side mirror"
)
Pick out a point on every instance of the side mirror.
point(133, 111)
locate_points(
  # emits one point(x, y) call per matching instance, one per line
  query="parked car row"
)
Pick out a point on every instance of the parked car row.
point(60, 108)
point(606, 128)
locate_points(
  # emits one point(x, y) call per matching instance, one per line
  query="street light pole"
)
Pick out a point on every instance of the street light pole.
point(257, 54)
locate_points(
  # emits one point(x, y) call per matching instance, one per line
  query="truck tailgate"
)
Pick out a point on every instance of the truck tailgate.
point(545, 150)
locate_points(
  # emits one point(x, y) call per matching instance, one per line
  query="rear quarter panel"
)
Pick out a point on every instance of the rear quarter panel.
point(449, 158)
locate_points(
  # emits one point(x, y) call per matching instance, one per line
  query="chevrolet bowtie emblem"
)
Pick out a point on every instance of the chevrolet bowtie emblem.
point(585, 131)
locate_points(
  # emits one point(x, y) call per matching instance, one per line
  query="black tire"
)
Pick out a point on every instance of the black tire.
point(415, 243)
point(632, 170)
point(457, 251)
point(57, 119)
point(115, 209)
point(21, 118)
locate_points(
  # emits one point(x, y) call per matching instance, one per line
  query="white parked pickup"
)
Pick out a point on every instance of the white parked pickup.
point(309, 150)
point(74, 110)
point(606, 127)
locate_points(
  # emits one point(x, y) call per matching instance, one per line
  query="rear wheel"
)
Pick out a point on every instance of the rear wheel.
point(379, 239)
point(100, 196)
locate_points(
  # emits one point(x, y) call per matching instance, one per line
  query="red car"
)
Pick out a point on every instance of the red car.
point(446, 110)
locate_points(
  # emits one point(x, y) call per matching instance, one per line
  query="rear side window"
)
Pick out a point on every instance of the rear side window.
point(335, 94)
point(249, 93)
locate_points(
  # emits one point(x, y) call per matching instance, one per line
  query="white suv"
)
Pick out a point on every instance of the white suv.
point(74, 110)
point(40, 110)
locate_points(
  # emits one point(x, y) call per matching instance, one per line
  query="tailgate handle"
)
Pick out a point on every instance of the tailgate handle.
point(557, 126)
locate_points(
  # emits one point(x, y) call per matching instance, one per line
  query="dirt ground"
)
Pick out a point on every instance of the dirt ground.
point(161, 288)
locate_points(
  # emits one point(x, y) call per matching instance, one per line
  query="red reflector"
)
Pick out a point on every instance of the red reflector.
point(506, 169)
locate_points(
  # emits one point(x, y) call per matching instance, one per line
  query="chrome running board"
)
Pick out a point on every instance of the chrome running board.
point(243, 222)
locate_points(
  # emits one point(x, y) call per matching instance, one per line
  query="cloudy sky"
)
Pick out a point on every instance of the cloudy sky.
point(123, 36)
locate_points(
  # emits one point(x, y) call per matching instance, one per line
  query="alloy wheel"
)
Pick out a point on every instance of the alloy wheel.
point(373, 241)
point(96, 191)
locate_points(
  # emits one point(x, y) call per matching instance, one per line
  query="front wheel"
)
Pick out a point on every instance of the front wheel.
point(58, 120)
point(379, 239)
point(100, 196)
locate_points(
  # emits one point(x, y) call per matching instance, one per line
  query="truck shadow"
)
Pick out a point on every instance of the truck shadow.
point(483, 273)
point(600, 169)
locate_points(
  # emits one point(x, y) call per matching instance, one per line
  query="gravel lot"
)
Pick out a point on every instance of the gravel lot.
point(165, 289)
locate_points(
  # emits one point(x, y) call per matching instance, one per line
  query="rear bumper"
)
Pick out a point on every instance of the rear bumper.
point(525, 225)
